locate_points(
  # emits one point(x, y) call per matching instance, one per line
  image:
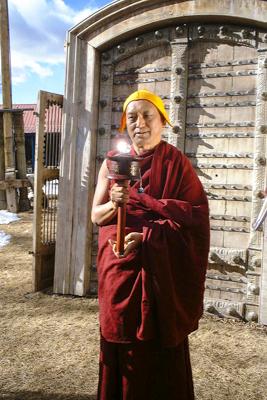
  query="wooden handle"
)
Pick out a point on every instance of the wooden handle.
point(121, 228)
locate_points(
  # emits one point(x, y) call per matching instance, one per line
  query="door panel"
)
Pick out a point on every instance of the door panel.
point(221, 110)
point(207, 77)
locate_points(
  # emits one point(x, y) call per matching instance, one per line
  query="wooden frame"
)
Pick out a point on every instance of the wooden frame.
point(112, 25)
point(43, 250)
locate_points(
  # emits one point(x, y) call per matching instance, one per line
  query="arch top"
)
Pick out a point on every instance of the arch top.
point(120, 17)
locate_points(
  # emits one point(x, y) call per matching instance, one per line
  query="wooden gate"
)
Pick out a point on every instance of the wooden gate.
point(46, 177)
point(213, 82)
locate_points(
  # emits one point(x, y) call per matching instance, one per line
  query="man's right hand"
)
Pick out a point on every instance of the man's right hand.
point(132, 241)
point(119, 194)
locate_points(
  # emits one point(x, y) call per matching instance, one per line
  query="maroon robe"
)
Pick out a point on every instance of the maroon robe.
point(156, 292)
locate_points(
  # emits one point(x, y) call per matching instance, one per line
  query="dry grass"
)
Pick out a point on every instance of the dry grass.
point(49, 344)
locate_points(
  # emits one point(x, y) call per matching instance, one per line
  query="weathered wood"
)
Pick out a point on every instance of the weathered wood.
point(262, 119)
point(263, 286)
point(178, 90)
point(72, 266)
point(14, 183)
point(104, 141)
point(67, 169)
point(15, 110)
point(85, 171)
point(45, 188)
point(10, 173)
point(24, 202)
point(3, 204)
point(223, 201)
point(134, 16)
point(38, 198)
point(5, 56)
point(259, 172)
point(49, 174)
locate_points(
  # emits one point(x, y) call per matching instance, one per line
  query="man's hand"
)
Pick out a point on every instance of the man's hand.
point(119, 194)
point(132, 241)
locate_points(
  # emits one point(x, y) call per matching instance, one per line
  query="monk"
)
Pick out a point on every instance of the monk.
point(150, 298)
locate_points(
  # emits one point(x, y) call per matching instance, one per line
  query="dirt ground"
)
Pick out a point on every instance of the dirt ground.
point(49, 343)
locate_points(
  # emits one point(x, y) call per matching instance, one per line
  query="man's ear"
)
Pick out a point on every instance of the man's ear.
point(163, 120)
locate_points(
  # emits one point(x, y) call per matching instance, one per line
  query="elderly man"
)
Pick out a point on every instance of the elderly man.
point(151, 298)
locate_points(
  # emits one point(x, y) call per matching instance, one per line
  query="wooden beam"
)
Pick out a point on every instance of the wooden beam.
point(3, 204)
point(10, 172)
point(15, 110)
point(49, 174)
point(38, 194)
point(263, 291)
point(24, 202)
point(14, 183)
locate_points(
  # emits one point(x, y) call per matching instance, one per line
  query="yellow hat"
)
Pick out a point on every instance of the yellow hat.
point(144, 94)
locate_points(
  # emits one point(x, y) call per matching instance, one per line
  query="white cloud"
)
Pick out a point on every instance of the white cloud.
point(68, 15)
point(19, 77)
point(38, 30)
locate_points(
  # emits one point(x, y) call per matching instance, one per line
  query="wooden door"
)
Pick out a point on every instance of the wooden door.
point(143, 62)
point(46, 176)
point(209, 77)
point(220, 137)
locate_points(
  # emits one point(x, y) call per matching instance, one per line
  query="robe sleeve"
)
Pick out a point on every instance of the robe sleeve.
point(182, 212)
point(183, 198)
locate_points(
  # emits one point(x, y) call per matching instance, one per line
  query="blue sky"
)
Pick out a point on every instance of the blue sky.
point(37, 34)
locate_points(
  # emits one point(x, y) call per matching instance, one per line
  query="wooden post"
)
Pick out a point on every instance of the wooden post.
point(2, 165)
point(10, 172)
point(24, 203)
point(263, 293)
point(38, 184)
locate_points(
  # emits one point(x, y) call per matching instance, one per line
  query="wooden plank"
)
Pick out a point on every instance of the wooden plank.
point(62, 281)
point(14, 183)
point(24, 202)
point(15, 110)
point(38, 192)
point(259, 173)
point(263, 286)
point(3, 203)
point(45, 250)
point(45, 190)
point(54, 98)
point(49, 174)
point(85, 173)
point(179, 88)
point(262, 117)
point(10, 173)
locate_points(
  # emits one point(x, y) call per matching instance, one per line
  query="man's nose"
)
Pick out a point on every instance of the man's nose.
point(140, 121)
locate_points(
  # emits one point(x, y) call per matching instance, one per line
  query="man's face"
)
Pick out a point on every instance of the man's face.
point(144, 125)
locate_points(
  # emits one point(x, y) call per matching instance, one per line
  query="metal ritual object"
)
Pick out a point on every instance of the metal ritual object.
point(261, 217)
point(123, 168)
